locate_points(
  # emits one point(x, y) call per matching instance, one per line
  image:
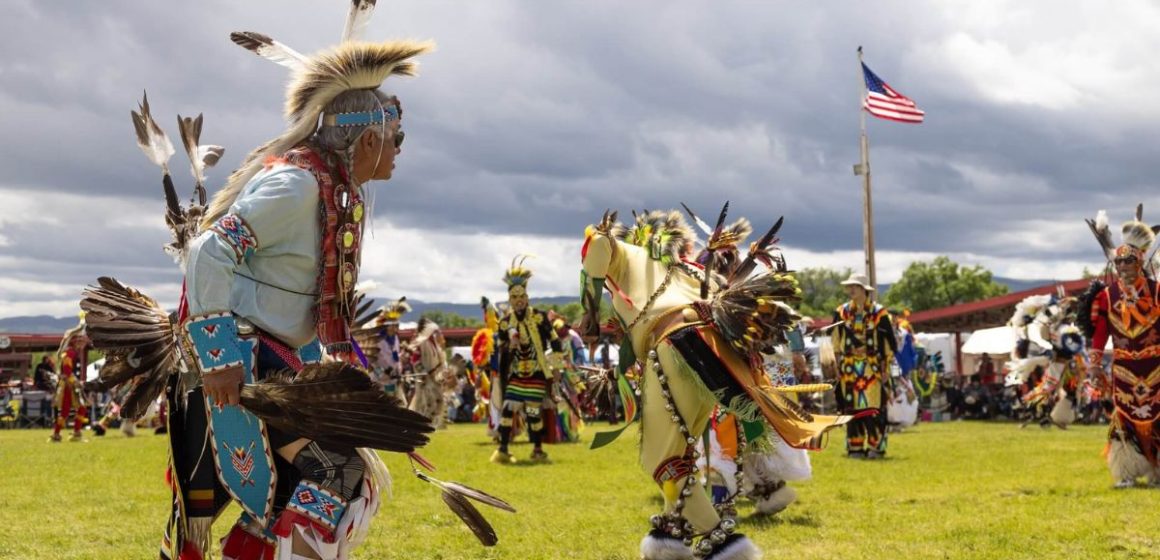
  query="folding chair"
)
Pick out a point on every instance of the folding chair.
point(33, 412)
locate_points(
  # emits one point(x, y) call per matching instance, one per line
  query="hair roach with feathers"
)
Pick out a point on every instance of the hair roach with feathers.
point(349, 66)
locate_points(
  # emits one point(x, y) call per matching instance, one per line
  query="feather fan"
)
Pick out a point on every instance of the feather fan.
point(137, 335)
point(336, 403)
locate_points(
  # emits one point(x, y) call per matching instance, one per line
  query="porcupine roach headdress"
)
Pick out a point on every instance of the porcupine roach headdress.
point(517, 275)
point(316, 80)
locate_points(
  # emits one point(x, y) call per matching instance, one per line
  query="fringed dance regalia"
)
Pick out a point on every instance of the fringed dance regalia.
point(387, 363)
point(432, 371)
point(563, 420)
point(902, 411)
point(700, 337)
point(864, 341)
point(1047, 339)
point(1127, 311)
point(486, 361)
point(525, 339)
point(69, 399)
point(270, 272)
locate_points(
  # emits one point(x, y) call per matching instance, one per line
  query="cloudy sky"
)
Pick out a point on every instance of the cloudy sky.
point(532, 117)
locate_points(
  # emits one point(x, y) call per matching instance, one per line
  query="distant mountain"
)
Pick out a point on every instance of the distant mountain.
point(472, 310)
point(46, 324)
point(37, 324)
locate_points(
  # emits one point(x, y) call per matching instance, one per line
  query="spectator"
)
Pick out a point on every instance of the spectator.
point(42, 377)
point(985, 372)
point(466, 410)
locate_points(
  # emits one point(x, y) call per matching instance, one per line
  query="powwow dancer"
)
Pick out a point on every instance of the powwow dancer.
point(525, 338)
point(1127, 310)
point(1048, 338)
point(902, 412)
point(864, 344)
point(698, 353)
point(486, 361)
point(68, 399)
point(388, 364)
point(431, 371)
point(271, 266)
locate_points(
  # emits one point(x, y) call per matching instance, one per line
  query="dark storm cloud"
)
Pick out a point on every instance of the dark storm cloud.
point(533, 117)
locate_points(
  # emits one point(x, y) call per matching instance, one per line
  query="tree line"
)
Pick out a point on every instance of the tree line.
point(923, 285)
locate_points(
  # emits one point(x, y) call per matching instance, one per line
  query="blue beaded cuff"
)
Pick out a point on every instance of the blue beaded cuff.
point(214, 338)
point(317, 503)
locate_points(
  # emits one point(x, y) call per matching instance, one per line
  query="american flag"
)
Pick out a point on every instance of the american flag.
point(885, 103)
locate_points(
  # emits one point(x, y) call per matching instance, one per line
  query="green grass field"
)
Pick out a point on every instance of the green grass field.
point(955, 490)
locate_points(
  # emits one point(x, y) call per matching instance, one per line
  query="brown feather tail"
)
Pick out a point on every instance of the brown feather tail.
point(336, 403)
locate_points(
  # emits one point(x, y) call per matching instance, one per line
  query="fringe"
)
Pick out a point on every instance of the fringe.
point(198, 532)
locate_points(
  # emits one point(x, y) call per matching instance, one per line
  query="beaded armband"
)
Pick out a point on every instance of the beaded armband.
point(214, 339)
point(237, 233)
point(318, 504)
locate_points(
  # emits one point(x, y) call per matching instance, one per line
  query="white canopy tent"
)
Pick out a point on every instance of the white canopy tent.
point(997, 341)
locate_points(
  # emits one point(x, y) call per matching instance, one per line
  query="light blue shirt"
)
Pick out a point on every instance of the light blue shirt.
point(281, 207)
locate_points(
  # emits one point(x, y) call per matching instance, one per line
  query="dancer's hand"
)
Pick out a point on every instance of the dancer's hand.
point(224, 385)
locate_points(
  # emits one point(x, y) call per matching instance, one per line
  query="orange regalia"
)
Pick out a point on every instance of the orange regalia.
point(1128, 315)
point(1126, 312)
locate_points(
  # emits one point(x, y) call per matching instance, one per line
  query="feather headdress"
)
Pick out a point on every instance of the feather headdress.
point(517, 275)
point(315, 83)
point(1136, 236)
point(425, 330)
point(391, 314)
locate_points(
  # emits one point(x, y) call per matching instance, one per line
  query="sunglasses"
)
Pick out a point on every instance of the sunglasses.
point(1125, 260)
point(399, 135)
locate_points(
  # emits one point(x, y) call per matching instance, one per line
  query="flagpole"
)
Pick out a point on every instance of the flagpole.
point(863, 169)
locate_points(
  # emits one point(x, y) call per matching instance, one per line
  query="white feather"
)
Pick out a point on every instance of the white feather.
point(366, 286)
point(281, 54)
point(160, 148)
point(357, 19)
point(1102, 220)
point(269, 49)
point(209, 154)
point(150, 138)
